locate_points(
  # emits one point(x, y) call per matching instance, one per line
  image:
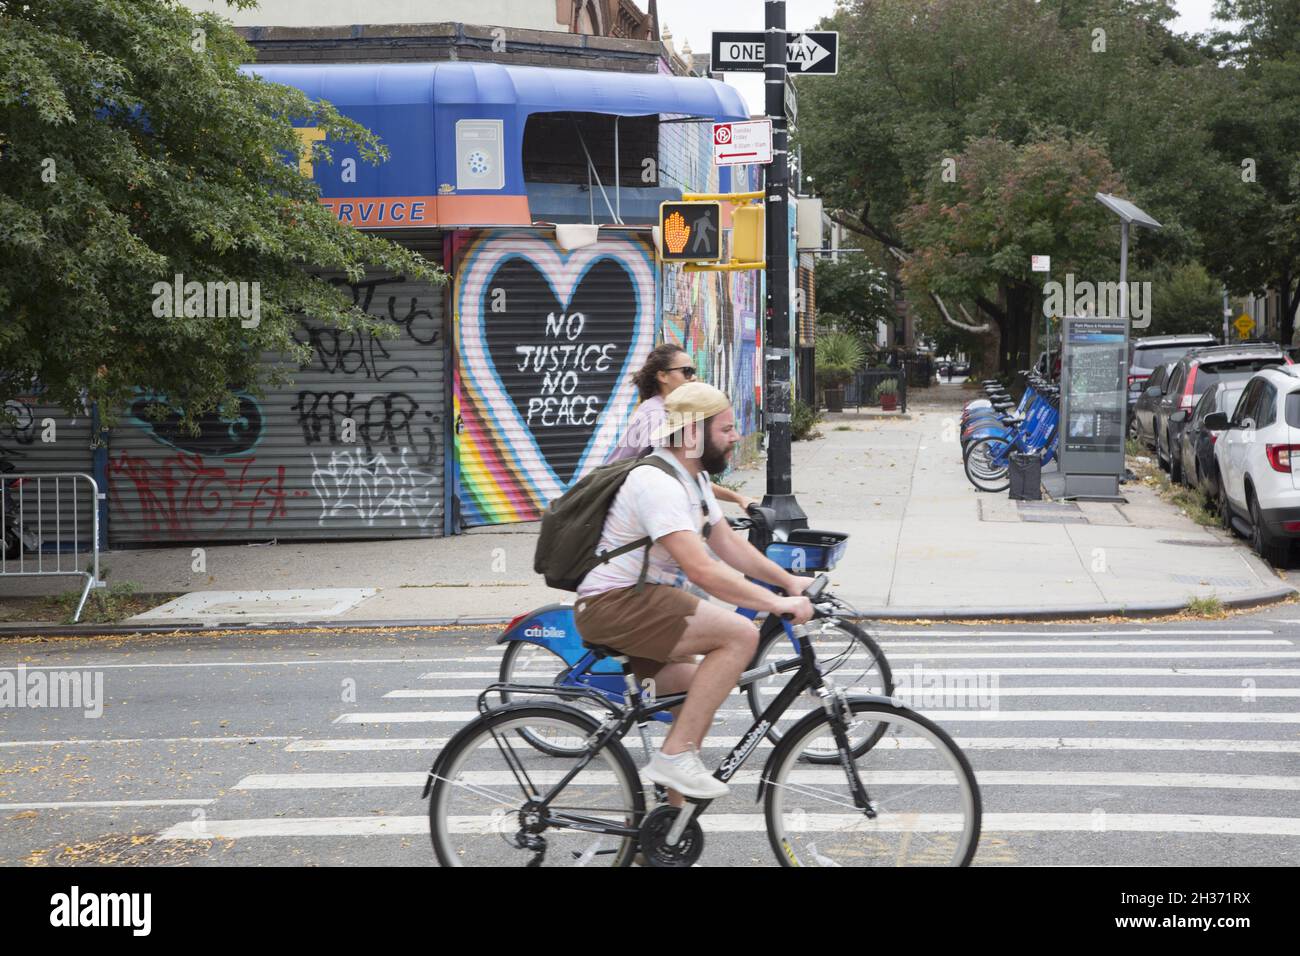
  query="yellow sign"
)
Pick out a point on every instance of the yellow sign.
point(1244, 325)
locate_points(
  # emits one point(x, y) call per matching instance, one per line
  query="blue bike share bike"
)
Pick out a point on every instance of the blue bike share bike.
point(544, 645)
point(991, 431)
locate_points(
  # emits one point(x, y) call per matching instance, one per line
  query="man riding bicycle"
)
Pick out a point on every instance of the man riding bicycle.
point(661, 627)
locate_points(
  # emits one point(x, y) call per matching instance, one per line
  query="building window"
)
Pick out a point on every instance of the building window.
point(553, 150)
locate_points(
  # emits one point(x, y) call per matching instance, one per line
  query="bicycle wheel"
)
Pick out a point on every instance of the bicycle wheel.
point(484, 780)
point(855, 663)
point(525, 663)
point(986, 464)
point(921, 785)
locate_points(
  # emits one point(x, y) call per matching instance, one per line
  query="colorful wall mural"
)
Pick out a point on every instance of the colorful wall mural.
point(546, 343)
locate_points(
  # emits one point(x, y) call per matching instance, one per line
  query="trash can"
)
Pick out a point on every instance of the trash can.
point(1026, 476)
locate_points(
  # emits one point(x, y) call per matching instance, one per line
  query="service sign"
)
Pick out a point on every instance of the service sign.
point(744, 142)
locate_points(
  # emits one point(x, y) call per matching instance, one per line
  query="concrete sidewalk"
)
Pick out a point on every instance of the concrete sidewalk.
point(924, 544)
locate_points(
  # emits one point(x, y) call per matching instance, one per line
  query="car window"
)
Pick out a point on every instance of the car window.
point(1242, 410)
point(1208, 375)
point(1226, 398)
point(1157, 377)
point(1293, 408)
point(1206, 405)
point(1266, 406)
point(1176, 382)
point(1157, 355)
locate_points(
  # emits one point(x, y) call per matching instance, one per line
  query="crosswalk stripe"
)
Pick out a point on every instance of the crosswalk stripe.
point(1101, 825)
point(94, 804)
point(958, 716)
point(830, 775)
point(1241, 692)
point(364, 744)
point(1190, 672)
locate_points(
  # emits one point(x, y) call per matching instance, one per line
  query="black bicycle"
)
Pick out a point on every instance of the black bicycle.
point(542, 783)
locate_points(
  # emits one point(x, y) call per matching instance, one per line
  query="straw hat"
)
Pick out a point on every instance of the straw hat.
point(692, 402)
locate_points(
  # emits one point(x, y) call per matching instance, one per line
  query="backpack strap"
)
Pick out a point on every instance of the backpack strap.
point(647, 542)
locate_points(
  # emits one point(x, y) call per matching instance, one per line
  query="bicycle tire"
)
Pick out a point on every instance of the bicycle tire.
point(755, 696)
point(785, 758)
point(506, 674)
point(978, 461)
point(460, 748)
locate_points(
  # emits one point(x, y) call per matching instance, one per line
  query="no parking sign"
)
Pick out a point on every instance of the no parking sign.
point(744, 142)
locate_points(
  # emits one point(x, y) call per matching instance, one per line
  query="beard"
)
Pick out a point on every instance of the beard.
point(714, 459)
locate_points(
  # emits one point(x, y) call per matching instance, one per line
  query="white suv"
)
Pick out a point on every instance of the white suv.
point(1258, 458)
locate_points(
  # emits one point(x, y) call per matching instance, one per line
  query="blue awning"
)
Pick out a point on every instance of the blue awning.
point(529, 89)
point(455, 131)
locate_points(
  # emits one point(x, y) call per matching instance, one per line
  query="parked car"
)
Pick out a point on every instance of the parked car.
point(1192, 375)
point(1147, 354)
point(1196, 442)
point(1258, 457)
point(1142, 416)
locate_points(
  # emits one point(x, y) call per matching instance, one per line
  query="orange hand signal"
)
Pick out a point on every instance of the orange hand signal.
point(676, 232)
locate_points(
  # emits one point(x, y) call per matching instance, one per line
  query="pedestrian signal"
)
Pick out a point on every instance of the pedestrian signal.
point(690, 231)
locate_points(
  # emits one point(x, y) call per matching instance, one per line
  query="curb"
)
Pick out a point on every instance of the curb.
point(1063, 613)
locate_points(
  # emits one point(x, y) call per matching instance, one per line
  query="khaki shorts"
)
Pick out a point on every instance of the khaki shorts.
point(646, 625)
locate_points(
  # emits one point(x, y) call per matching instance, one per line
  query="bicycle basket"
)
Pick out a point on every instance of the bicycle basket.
point(807, 550)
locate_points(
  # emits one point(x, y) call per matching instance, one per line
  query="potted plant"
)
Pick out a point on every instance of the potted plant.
point(887, 392)
point(838, 355)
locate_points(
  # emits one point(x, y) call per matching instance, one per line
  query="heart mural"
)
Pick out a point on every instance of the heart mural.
point(560, 361)
point(547, 342)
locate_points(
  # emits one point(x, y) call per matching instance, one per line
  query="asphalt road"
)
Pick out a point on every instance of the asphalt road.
point(1163, 744)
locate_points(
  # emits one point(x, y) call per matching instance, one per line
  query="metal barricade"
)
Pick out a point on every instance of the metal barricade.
point(37, 531)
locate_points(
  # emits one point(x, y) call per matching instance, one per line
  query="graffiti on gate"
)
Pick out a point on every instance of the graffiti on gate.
point(365, 486)
point(18, 427)
point(217, 436)
point(393, 419)
point(362, 353)
point(183, 492)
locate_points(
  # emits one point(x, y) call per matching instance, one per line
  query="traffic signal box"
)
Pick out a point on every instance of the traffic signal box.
point(690, 232)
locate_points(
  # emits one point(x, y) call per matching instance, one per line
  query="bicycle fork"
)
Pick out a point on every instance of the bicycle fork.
point(834, 702)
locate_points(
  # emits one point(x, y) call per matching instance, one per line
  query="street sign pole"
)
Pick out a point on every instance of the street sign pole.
point(776, 344)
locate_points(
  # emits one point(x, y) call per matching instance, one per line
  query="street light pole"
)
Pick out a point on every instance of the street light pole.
point(776, 344)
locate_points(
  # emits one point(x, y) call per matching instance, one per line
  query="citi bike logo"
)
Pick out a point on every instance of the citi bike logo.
point(539, 630)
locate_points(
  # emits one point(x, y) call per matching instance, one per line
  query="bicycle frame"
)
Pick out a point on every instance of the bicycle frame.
point(636, 711)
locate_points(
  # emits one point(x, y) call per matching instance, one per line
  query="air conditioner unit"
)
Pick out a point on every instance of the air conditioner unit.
point(480, 154)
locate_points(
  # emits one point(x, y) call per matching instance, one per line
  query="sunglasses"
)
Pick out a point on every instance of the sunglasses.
point(686, 370)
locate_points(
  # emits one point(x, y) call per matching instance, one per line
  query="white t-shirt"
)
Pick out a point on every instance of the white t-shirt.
point(652, 503)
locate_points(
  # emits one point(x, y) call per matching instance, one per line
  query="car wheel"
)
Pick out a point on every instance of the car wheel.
point(1225, 507)
point(1275, 552)
point(1175, 461)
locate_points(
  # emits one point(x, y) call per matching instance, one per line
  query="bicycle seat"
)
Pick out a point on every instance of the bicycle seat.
point(601, 652)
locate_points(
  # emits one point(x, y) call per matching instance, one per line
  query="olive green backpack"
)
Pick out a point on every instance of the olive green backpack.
point(572, 525)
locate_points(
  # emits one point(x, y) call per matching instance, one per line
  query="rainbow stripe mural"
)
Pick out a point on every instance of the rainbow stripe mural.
point(546, 342)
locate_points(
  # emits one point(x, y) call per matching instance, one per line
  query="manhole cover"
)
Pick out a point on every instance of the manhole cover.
point(1196, 544)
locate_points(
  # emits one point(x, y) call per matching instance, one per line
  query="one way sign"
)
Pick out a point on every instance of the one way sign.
point(812, 53)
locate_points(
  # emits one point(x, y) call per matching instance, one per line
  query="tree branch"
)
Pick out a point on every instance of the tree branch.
point(866, 229)
point(953, 322)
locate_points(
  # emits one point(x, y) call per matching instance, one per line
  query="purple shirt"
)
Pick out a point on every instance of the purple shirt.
point(636, 441)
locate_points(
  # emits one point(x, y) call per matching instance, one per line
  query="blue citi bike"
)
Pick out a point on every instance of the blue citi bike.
point(991, 431)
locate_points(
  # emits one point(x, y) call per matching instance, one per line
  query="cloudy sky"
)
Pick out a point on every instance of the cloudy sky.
point(695, 21)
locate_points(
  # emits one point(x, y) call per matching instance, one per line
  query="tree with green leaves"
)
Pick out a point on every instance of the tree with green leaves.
point(921, 79)
point(1254, 207)
point(856, 292)
point(973, 237)
point(133, 150)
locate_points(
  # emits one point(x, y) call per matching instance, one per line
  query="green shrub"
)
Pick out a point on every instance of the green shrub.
point(803, 421)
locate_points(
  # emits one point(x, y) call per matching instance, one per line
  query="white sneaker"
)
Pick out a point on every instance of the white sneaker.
point(684, 773)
